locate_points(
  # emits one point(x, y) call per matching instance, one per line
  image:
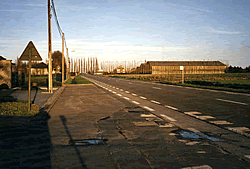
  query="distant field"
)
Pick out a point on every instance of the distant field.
point(239, 82)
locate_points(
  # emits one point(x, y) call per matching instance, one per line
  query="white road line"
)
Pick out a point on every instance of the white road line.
point(126, 98)
point(155, 102)
point(113, 86)
point(119, 94)
point(113, 92)
point(167, 117)
point(148, 108)
point(121, 90)
point(117, 88)
point(171, 107)
point(110, 90)
point(231, 101)
point(135, 102)
point(143, 97)
point(156, 88)
point(134, 94)
point(127, 91)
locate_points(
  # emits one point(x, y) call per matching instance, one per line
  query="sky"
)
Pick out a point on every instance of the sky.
point(124, 30)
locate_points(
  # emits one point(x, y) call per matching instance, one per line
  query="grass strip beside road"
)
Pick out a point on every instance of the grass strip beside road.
point(78, 80)
point(18, 108)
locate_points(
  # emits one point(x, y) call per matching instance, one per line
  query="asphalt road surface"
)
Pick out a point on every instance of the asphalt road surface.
point(226, 109)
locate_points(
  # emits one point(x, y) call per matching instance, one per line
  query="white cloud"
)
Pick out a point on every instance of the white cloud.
point(224, 32)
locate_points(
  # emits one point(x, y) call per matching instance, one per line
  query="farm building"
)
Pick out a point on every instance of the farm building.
point(39, 69)
point(119, 69)
point(189, 67)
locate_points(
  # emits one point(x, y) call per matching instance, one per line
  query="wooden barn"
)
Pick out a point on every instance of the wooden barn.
point(189, 67)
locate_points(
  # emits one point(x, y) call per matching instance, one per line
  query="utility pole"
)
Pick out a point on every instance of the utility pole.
point(67, 65)
point(50, 49)
point(62, 57)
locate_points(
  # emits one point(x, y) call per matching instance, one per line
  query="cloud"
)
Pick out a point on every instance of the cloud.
point(223, 32)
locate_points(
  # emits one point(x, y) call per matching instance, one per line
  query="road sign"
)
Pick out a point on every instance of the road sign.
point(34, 53)
point(30, 53)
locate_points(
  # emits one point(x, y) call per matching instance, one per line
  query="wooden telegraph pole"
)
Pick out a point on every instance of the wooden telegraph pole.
point(30, 52)
point(50, 49)
point(62, 57)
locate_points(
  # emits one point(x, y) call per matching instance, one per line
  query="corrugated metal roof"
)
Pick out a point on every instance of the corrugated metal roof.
point(186, 63)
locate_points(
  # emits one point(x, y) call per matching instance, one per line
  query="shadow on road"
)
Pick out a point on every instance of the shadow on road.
point(64, 121)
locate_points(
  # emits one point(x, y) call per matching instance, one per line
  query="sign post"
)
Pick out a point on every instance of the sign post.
point(182, 69)
point(30, 53)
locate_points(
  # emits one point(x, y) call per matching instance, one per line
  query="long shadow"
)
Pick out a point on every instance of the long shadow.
point(64, 120)
point(25, 145)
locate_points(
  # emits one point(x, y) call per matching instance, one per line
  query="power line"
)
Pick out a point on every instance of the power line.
point(57, 22)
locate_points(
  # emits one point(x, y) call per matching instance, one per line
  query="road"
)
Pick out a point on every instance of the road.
point(226, 109)
point(135, 133)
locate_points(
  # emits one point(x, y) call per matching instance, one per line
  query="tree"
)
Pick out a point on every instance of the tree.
point(57, 61)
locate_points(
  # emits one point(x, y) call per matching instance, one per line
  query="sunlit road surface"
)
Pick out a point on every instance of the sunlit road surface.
point(219, 107)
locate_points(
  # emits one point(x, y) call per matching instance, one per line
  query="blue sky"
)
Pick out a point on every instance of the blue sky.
point(118, 30)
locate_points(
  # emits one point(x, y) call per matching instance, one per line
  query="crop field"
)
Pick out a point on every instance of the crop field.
point(239, 82)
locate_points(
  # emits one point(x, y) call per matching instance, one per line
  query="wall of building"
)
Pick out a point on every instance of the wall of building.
point(5, 72)
point(39, 71)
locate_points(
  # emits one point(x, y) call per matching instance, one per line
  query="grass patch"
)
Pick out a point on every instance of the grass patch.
point(78, 80)
point(69, 81)
point(18, 108)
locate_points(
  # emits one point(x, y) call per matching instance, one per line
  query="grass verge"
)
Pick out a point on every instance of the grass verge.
point(78, 80)
point(18, 108)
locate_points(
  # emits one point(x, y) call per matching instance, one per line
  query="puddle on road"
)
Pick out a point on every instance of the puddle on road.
point(194, 135)
point(88, 142)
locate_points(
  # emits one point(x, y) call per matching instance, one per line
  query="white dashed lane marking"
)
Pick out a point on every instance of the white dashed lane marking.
point(148, 108)
point(156, 88)
point(143, 97)
point(134, 94)
point(166, 117)
point(121, 90)
point(192, 113)
point(126, 98)
point(171, 107)
point(155, 102)
point(117, 88)
point(135, 102)
point(230, 101)
point(127, 91)
point(119, 94)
